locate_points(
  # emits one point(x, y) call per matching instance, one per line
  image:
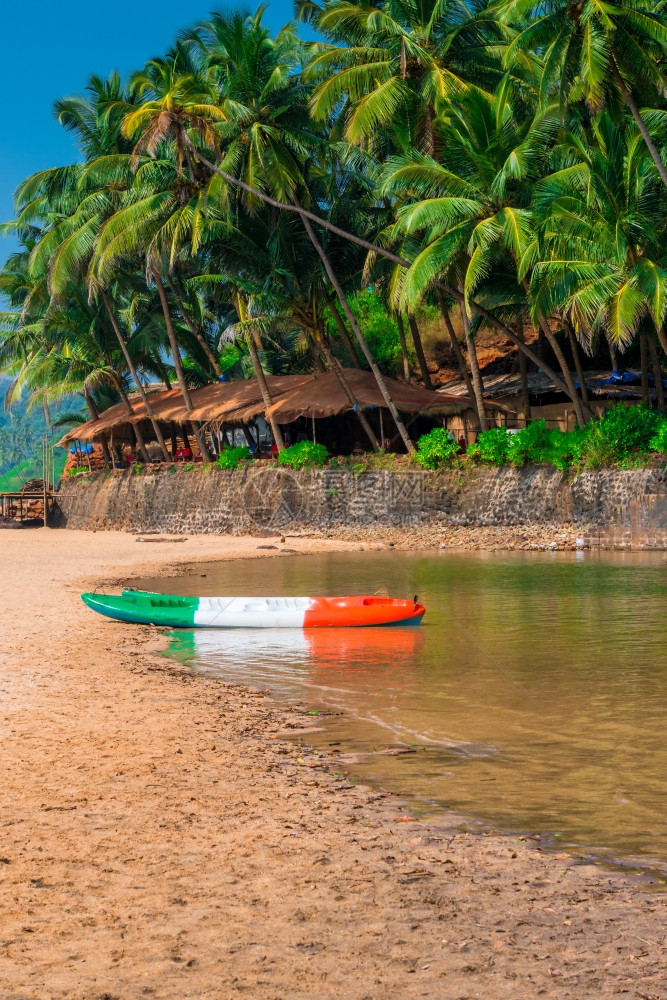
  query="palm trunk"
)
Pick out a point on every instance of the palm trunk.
point(643, 354)
point(344, 335)
point(576, 354)
point(509, 333)
point(634, 110)
point(662, 337)
point(523, 373)
point(419, 350)
point(336, 367)
point(477, 385)
point(260, 376)
point(264, 389)
point(657, 374)
point(95, 413)
point(567, 374)
point(135, 427)
point(133, 371)
point(404, 347)
point(314, 350)
point(560, 358)
point(456, 348)
point(196, 333)
point(351, 318)
point(612, 356)
point(178, 365)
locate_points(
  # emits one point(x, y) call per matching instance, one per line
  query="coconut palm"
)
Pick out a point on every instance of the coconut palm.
point(595, 52)
point(391, 67)
point(603, 225)
point(258, 131)
point(52, 349)
point(475, 214)
point(73, 204)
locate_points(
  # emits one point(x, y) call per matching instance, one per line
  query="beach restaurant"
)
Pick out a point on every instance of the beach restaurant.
point(322, 407)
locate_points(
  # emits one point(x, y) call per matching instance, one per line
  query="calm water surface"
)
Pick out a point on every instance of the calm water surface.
point(534, 694)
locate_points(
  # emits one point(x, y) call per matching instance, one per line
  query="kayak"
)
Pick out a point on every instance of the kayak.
point(143, 608)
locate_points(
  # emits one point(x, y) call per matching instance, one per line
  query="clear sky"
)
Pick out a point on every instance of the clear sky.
point(49, 51)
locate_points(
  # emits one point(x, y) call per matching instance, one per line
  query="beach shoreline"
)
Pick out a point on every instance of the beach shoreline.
point(164, 834)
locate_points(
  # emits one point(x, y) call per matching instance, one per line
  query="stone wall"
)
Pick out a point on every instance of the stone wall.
point(616, 508)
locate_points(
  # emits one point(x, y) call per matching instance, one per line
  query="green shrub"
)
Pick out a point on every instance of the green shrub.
point(566, 448)
point(77, 470)
point(304, 454)
point(539, 443)
point(530, 444)
point(622, 437)
point(659, 440)
point(231, 458)
point(619, 434)
point(436, 449)
point(492, 447)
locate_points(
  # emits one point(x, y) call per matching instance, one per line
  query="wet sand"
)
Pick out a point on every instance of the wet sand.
point(160, 835)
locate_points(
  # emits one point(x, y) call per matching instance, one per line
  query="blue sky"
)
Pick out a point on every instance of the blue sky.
point(50, 50)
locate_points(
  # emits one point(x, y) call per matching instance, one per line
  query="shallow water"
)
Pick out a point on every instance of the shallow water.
point(534, 693)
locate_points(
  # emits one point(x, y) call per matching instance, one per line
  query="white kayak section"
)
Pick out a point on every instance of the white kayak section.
point(251, 612)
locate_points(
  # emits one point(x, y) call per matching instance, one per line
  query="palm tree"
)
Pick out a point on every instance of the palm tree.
point(392, 66)
point(75, 202)
point(603, 229)
point(53, 349)
point(591, 50)
point(476, 213)
point(271, 128)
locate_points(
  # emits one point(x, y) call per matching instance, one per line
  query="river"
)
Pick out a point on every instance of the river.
point(533, 697)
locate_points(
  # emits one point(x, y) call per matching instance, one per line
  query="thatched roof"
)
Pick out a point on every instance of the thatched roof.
point(324, 396)
point(612, 385)
point(315, 395)
point(113, 417)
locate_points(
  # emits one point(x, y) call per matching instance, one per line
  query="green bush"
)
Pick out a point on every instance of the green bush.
point(620, 437)
point(659, 440)
point(492, 447)
point(231, 458)
point(621, 433)
point(304, 454)
point(436, 449)
point(77, 470)
point(539, 443)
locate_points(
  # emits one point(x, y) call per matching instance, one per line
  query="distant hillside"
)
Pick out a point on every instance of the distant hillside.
point(21, 433)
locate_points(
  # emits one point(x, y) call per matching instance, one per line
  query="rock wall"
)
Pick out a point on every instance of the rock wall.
point(614, 508)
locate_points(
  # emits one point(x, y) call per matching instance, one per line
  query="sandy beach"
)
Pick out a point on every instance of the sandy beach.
point(165, 836)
